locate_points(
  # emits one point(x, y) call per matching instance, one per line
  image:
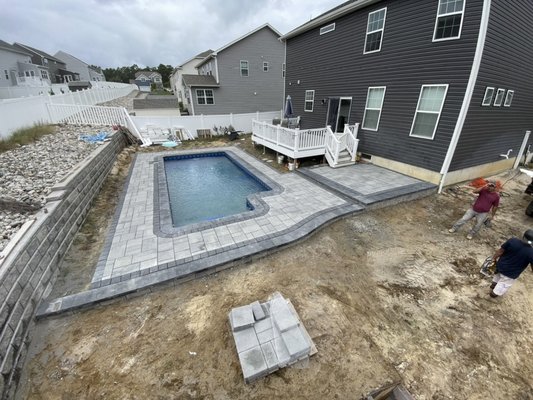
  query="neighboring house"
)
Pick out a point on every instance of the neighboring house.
point(84, 71)
point(13, 61)
point(144, 79)
point(240, 77)
point(443, 89)
point(187, 68)
point(50, 66)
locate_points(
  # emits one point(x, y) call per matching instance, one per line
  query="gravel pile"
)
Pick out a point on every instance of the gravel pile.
point(28, 173)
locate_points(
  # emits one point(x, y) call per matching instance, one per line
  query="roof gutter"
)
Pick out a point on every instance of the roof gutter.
point(328, 17)
point(483, 27)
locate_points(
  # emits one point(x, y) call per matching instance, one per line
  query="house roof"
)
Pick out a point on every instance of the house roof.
point(146, 73)
point(40, 53)
point(343, 9)
point(10, 47)
point(199, 80)
point(214, 53)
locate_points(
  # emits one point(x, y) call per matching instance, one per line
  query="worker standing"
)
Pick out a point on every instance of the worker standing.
point(487, 201)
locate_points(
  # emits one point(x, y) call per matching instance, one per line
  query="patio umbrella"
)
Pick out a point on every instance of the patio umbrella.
point(288, 107)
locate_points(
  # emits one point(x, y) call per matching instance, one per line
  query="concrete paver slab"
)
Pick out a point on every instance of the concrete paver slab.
point(253, 364)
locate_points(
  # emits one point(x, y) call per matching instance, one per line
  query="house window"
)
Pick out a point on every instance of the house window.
point(449, 19)
point(508, 98)
point(489, 94)
point(283, 67)
point(327, 28)
point(428, 111)
point(499, 97)
point(374, 104)
point(374, 30)
point(244, 68)
point(205, 96)
point(265, 66)
point(44, 74)
point(309, 100)
point(6, 73)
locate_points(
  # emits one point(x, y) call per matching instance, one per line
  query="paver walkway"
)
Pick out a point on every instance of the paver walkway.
point(143, 248)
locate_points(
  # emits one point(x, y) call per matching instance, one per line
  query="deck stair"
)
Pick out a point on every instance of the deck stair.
point(341, 147)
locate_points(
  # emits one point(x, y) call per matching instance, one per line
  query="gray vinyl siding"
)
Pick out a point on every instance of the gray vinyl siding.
point(74, 65)
point(334, 65)
point(507, 63)
point(260, 91)
point(9, 61)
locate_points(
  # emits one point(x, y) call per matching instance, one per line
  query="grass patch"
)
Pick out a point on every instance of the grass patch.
point(25, 136)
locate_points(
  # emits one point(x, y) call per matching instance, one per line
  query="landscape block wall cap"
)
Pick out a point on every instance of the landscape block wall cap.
point(328, 16)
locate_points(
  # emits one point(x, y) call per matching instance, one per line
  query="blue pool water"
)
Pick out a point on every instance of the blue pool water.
point(207, 187)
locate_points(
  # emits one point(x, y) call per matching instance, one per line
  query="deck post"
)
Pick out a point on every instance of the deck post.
point(296, 135)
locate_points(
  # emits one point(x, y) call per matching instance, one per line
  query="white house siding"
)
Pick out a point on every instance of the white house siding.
point(8, 61)
point(260, 91)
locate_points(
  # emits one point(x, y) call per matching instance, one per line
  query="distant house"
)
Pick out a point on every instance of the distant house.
point(442, 89)
point(144, 80)
point(84, 71)
point(51, 68)
point(15, 64)
point(242, 76)
point(187, 68)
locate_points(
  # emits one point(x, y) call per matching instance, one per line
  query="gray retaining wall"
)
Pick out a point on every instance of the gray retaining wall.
point(28, 272)
point(153, 101)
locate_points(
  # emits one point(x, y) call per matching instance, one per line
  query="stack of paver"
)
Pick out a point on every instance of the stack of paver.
point(269, 336)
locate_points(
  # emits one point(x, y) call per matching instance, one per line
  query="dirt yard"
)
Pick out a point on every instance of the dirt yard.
point(386, 296)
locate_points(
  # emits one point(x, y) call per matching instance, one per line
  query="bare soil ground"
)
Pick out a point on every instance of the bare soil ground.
point(386, 296)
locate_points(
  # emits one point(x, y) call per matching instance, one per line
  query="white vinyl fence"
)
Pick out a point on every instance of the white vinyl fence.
point(28, 111)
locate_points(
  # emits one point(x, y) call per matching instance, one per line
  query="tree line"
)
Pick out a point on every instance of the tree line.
point(125, 74)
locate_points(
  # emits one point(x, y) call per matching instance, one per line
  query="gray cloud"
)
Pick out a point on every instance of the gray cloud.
point(114, 33)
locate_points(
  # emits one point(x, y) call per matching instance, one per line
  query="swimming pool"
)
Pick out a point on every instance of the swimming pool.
point(208, 186)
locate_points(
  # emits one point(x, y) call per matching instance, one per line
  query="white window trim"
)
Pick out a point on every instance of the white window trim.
point(483, 102)
point(247, 68)
point(428, 112)
point(265, 65)
point(309, 101)
point(462, 12)
point(506, 103)
point(327, 28)
point(377, 30)
point(205, 97)
point(500, 90)
point(368, 108)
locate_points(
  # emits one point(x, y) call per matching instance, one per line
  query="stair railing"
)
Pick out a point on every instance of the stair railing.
point(351, 139)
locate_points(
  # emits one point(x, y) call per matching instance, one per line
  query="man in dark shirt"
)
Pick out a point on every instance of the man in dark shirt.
point(487, 201)
point(512, 259)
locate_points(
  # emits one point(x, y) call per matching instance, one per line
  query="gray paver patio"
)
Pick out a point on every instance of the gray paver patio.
point(143, 248)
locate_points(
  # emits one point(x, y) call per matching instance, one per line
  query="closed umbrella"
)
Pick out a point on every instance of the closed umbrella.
point(288, 107)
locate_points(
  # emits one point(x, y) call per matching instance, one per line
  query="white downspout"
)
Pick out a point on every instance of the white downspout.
point(216, 67)
point(192, 100)
point(483, 26)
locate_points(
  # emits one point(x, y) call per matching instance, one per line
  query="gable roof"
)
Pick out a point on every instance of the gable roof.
point(199, 80)
point(199, 56)
point(10, 47)
point(40, 53)
point(148, 74)
point(99, 70)
point(340, 10)
point(215, 53)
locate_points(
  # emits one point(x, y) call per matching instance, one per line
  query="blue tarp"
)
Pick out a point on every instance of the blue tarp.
point(98, 138)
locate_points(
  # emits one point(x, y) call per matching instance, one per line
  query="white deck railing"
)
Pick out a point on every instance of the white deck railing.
point(294, 143)
point(336, 143)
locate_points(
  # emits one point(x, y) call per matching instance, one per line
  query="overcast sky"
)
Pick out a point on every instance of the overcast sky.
point(115, 33)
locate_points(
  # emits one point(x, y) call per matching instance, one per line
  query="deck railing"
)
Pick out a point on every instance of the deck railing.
point(294, 143)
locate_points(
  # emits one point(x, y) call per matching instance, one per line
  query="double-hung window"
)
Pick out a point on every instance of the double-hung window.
point(428, 111)
point(499, 97)
point(374, 30)
point(374, 105)
point(283, 69)
point(6, 73)
point(449, 20)
point(265, 66)
point(489, 94)
point(205, 96)
point(508, 98)
point(309, 100)
point(244, 68)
